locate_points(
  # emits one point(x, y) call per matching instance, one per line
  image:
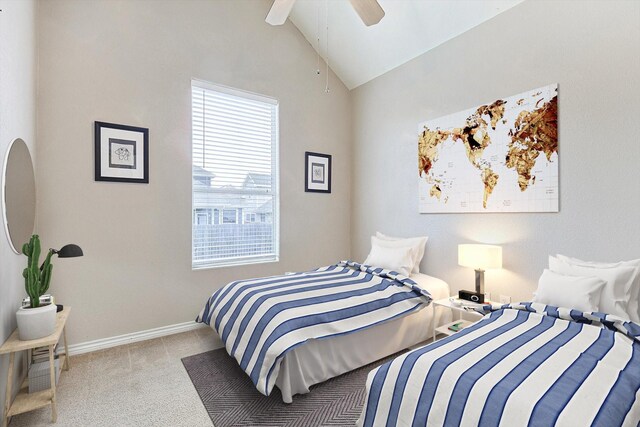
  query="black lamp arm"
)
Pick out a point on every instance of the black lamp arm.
point(67, 251)
point(51, 253)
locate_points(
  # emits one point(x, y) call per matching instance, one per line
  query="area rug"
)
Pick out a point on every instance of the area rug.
point(231, 399)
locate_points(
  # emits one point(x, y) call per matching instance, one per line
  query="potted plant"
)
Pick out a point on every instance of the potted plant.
point(36, 321)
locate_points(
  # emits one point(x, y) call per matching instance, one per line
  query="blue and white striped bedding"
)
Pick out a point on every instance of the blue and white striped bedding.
point(523, 364)
point(260, 320)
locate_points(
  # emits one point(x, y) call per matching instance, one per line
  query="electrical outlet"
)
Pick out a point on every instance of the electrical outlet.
point(487, 296)
point(505, 299)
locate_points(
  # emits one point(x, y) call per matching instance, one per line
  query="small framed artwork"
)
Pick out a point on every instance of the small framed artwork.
point(121, 153)
point(317, 171)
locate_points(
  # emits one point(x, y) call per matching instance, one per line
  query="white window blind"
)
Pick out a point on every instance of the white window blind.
point(235, 179)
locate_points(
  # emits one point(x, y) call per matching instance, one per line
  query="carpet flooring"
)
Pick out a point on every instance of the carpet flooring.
point(142, 384)
point(231, 399)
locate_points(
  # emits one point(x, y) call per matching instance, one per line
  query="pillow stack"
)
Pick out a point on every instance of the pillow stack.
point(611, 288)
point(633, 305)
point(581, 293)
point(396, 253)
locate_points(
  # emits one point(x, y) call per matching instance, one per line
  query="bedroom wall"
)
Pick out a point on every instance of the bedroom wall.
point(592, 52)
point(131, 62)
point(17, 120)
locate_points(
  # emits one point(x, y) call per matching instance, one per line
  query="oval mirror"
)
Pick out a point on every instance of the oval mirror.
point(18, 195)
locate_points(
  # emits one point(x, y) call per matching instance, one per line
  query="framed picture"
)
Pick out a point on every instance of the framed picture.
point(317, 171)
point(121, 153)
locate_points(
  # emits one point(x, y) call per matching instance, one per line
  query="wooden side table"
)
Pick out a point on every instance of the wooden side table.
point(25, 401)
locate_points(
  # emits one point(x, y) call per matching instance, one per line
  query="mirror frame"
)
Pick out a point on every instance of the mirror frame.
point(3, 201)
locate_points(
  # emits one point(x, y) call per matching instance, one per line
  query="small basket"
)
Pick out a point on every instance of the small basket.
point(39, 376)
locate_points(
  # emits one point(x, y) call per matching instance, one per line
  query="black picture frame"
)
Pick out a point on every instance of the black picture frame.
point(123, 164)
point(319, 182)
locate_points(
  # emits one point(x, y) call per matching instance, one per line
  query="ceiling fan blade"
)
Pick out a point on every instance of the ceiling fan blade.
point(279, 11)
point(370, 11)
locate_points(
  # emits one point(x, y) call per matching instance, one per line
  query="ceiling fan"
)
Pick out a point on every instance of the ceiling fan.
point(369, 11)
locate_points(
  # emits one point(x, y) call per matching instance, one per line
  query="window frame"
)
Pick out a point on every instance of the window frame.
point(235, 216)
point(199, 212)
point(275, 178)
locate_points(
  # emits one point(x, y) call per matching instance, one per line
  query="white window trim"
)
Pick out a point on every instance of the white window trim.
point(235, 92)
point(275, 160)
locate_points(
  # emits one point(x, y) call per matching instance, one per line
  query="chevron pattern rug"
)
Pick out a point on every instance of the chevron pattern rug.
point(231, 399)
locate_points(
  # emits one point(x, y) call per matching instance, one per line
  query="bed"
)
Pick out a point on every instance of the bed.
point(296, 361)
point(522, 364)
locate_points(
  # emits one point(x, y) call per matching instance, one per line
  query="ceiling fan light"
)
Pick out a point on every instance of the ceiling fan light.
point(279, 11)
point(369, 11)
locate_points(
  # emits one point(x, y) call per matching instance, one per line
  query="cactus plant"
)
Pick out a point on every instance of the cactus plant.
point(36, 278)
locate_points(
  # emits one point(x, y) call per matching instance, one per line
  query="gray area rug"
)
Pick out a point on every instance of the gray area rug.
point(231, 399)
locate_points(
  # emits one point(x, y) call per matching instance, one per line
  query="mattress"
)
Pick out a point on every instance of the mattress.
point(319, 360)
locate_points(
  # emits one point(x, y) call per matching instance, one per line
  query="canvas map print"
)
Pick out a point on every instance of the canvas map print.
point(499, 157)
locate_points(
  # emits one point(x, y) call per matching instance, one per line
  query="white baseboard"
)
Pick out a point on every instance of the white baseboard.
point(103, 343)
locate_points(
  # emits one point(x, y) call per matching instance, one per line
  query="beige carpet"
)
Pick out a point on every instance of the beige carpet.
point(140, 384)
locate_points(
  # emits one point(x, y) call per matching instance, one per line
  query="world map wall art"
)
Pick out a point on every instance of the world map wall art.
point(499, 157)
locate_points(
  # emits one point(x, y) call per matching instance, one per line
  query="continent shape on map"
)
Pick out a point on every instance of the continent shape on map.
point(533, 131)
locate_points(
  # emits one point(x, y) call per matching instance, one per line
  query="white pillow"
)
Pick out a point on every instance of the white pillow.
point(417, 242)
point(616, 293)
point(633, 304)
point(581, 293)
point(395, 244)
point(399, 260)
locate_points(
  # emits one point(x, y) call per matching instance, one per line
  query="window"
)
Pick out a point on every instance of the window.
point(229, 216)
point(234, 177)
point(202, 216)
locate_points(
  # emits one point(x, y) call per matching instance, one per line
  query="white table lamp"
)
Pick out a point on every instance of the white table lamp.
point(480, 258)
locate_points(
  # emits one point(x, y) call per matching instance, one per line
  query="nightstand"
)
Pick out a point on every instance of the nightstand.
point(25, 401)
point(444, 329)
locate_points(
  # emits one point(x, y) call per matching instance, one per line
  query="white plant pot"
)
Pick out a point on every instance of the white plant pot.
point(34, 323)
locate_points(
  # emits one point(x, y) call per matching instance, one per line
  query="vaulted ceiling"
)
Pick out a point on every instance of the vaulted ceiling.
point(358, 53)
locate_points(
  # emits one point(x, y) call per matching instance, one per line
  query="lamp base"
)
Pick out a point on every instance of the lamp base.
point(472, 296)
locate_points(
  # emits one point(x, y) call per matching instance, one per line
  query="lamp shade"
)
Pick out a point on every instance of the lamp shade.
point(69, 251)
point(480, 257)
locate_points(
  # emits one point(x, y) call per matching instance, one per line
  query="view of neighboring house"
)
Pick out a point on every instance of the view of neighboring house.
point(224, 215)
point(213, 207)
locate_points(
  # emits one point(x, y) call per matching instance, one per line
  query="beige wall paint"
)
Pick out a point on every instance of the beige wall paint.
point(592, 50)
point(17, 120)
point(131, 62)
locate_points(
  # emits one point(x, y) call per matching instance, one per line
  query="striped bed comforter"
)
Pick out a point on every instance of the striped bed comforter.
point(523, 364)
point(260, 320)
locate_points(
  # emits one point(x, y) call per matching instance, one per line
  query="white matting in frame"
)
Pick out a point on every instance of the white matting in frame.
point(121, 153)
